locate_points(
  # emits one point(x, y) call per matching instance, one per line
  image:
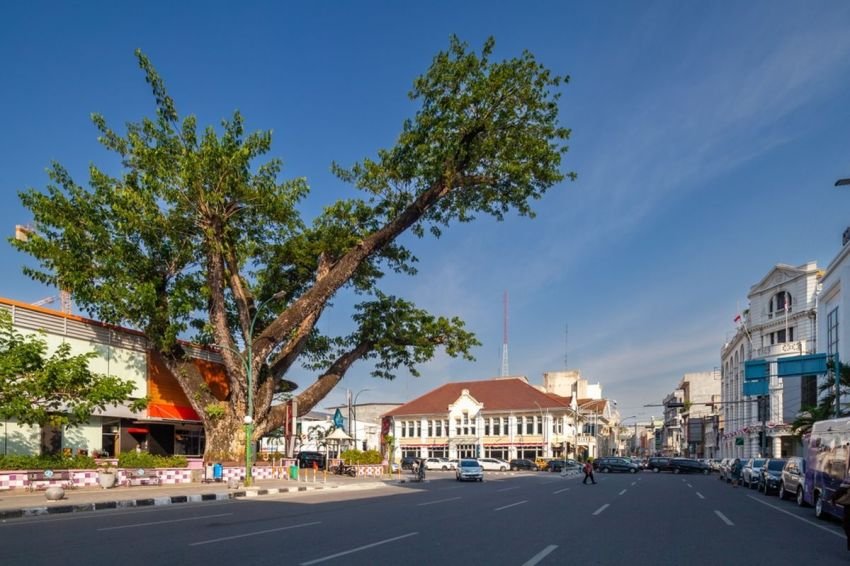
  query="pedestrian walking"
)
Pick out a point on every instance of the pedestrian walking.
point(736, 472)
point(588, 473)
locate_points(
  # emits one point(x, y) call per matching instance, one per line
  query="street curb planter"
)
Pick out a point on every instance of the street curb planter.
point(54, 493)
point(106, 479)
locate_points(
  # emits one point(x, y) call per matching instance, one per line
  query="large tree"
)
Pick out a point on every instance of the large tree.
point(196, 235)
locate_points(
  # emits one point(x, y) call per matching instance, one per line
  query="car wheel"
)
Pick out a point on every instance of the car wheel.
point(676, 471)
point(481, 480)
point(705, 472)
point(781, 492)
point(632, 470)
point(445, 468)
point(502, 469)
point(656, 470)
point(606, 470)
point(819, 507)
point(800, 499)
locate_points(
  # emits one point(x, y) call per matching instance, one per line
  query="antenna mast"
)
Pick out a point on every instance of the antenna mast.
point(566, 345)
point(505, 371)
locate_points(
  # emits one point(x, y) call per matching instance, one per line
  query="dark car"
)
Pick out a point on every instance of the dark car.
point(563, 465)
point(306, 459)
point(408, 461)
point(658, 464)
point(606, 465)
point(771, 475)
point(689, 466)
point(523, 465)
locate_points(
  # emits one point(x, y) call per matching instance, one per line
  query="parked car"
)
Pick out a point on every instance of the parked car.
point(523, 465)
point(689, 466)
point(563, 465)
point(408, 461)
point(306, 459)
point(606, 465)
point(493, 464)
point(771, 475)
point(437, 464)
point(793, 479)
point(751, 471)
point(469, 470)
point(658, 464)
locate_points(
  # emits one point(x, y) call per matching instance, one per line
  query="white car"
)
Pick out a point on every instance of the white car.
point(493, 464)
point(437, 464)
point(468, 469)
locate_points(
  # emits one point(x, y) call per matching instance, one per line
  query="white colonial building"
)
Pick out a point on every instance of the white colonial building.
point(779, 322)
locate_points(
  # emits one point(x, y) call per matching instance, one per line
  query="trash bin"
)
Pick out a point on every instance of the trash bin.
point(293, 472)
point(218, 471)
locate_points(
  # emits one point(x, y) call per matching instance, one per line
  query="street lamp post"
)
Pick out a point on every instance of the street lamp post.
point(247, 362)
point(618, 430)
point(354, 420)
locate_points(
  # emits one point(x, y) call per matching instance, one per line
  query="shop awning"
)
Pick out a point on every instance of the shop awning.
point(137, 430)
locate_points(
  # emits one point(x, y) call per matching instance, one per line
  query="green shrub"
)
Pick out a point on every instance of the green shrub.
point(358, 457)
point(148, 460)
point(30, 462)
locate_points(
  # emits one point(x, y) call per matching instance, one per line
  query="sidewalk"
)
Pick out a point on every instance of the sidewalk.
point(21, 503)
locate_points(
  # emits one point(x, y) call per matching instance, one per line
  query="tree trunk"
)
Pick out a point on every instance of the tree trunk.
point(225, 440)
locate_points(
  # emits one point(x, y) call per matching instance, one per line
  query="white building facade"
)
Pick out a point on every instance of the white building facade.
point(780, 321)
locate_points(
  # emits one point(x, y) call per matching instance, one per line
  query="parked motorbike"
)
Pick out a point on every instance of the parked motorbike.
point(344, 470)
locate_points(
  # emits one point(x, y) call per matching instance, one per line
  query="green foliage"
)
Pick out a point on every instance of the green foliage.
point(26, 462)
point(216, 411)
point(147, 460)
point(195, 230)
point(360, 457)
point(56, 389)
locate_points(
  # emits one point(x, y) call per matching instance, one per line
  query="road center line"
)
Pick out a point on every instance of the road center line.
point(358, 549)
point(601, 509)
point(134, 525)
point(724, 518)
point(541, 555)
point(690, 486)
point(622, 492)
point(561, 490)
point(438, 501)
point(700, 495)
point(812, 523)
point(509, 488)
point(222, 539)
point(634, 483)
point(511, 505)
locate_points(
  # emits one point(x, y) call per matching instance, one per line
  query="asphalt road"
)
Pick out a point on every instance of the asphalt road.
point(520, 519)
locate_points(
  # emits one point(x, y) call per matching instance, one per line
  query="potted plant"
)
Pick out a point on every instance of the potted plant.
point(106, 476)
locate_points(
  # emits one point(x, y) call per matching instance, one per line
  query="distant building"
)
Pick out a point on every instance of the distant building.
point(503, 418)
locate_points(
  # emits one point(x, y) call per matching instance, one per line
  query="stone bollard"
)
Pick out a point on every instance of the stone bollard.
point(54, 493)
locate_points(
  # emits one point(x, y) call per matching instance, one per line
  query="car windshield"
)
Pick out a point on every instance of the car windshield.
point(758, 463)
point(468, 464)
point(776, 465)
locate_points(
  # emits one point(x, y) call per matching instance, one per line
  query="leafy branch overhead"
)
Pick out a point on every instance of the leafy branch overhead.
point(41, 388)
point(196, 232)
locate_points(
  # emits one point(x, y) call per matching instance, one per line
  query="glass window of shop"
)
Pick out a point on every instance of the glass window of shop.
point(189, 441)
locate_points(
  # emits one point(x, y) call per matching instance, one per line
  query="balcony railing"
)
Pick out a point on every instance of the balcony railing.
point(785, 348)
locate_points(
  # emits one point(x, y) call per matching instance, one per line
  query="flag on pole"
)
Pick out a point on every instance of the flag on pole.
point(738, 318)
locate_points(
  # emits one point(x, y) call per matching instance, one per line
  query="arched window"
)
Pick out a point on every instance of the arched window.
point(780, 301)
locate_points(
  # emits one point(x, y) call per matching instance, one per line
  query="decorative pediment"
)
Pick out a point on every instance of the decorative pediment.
point(465, 403)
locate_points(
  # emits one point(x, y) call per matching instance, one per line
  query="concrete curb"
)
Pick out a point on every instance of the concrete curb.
point(163, 500)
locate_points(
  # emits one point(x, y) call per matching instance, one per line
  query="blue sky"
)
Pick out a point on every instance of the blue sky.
point(706, 138)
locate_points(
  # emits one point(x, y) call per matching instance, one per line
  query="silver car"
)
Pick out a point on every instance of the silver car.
point(752, 471)
point(468, 469)
point(793, 482)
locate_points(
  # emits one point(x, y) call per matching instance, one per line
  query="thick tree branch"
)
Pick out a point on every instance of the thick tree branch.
point(311, 396)
point(241, 295)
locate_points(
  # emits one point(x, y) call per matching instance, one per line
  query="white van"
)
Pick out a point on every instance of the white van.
point(826, 464)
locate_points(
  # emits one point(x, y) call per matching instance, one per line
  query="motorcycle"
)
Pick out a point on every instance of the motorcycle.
point(344, 470)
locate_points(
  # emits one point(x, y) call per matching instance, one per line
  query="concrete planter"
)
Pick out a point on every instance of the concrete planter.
point(106, 479)
point(54, 493)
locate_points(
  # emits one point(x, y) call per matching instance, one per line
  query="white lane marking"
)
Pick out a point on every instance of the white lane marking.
point(634, 483)
point(438, 501)
point(149, 523)
point(511, 505)
point(724, 518)
point(812, 523)
point(690, 486)
point(541, 555)
point(358, 549)
point(561, 490)
point(255, 533)
point(622, 492)
point(509, 488)
point(601, 509)
point(700, 495)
